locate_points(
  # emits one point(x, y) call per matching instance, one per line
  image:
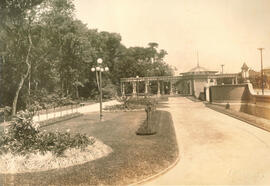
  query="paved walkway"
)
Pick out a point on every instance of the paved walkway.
point(84, 109)
point(215, 148)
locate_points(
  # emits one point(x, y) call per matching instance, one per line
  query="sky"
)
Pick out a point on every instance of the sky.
point(222, 31)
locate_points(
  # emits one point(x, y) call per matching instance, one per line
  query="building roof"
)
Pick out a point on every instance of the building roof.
point(198, 70)
point(244, 67)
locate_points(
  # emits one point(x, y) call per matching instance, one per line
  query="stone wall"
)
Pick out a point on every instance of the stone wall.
point(230, 93)
point(241, 98)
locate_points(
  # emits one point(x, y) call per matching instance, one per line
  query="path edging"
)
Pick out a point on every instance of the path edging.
point(223, 111)
point(158, 174)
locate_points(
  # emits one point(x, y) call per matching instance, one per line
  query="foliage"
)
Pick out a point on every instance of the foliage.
point(5, 113)
point(41, 100)
point(122, 107)
point(109, 91)
point(150, 125)
point(143, 101)
point(59, 142)
point(128, 103)
point(23, 137)
point(45, 50)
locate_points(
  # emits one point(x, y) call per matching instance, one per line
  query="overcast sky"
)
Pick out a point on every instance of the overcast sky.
point(223, 31)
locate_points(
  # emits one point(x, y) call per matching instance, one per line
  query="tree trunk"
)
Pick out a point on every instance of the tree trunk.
point(77, 92)
point(29, 81)
point(24, 76)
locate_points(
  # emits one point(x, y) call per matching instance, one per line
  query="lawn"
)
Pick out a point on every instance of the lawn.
point(133, 158)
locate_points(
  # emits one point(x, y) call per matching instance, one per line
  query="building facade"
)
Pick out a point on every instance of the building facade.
point(195, 82)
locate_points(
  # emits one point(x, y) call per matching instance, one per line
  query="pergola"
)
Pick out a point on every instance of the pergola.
point(146, 80)
point(191, 79)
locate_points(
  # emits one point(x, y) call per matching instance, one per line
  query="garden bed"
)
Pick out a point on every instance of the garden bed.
point(122, 108)
point(25, 148)
point(150, 127)
point(133, 158)
point(131, 104)
point(13, 164)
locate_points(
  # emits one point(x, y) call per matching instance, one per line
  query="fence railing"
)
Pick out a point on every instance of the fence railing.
point(54, 112)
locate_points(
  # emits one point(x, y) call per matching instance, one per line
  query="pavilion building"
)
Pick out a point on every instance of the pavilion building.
point(195, 82)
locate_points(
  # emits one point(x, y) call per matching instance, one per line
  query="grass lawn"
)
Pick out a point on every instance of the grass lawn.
point(133, 158)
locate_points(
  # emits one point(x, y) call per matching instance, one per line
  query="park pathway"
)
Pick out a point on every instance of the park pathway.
point(83, 109)
point(215, 148)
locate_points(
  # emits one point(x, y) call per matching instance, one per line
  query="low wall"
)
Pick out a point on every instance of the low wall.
point(229, 93)
point(241, 98)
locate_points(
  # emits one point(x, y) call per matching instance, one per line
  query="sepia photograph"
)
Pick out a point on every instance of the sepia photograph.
point(134, 92)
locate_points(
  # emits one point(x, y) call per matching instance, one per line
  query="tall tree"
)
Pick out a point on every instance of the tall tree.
point(17, 19)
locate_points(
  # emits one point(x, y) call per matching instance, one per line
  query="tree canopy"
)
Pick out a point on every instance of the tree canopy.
point(45, 50)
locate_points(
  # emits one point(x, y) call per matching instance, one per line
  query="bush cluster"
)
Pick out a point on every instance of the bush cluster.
point(142, 101)
point(150, 126)
point(133, 103)
point(124, 107)
point(23, 137)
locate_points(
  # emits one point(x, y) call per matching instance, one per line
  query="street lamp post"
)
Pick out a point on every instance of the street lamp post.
point(261, 49)
point(99, 69)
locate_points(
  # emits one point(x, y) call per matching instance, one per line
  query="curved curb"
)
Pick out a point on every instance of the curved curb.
point(158, 174)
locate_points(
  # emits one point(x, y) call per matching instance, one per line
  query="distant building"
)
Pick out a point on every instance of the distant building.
point(255, 77)
point(193, 83)
point(245, 71)
point(198, 78)
point(266, 71)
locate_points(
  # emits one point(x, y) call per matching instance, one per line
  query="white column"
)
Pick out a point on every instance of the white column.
point(146, 87)
point(171, 88)
point(207, 93)
point(158, 88)
point(134, 86)
point(123, 89)
point(190, 87)
point(215, 81)
point(162, 88)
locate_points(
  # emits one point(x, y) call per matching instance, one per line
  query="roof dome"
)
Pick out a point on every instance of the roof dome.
point(198, 69)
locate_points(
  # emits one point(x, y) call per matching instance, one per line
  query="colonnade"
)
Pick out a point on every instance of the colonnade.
point(192, 83)
point(135, 83)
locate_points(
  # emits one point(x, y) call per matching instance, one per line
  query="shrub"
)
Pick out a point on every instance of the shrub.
point(129, 103)
point(23, 137)
point(57, 142)
point(142, 101)
point(150, 125)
